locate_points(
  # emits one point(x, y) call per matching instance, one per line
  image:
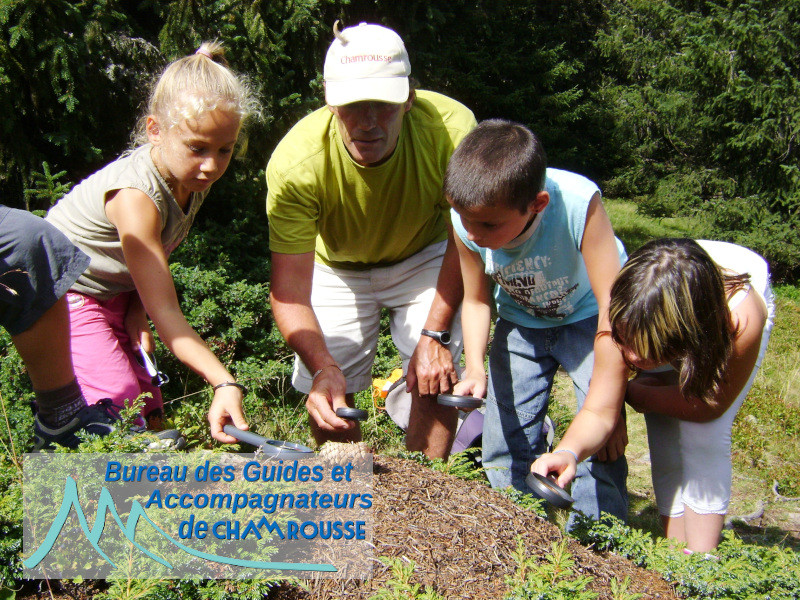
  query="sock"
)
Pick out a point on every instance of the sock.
point(57, 407)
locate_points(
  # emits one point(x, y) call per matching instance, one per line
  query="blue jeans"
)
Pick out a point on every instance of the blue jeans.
point(522, 364)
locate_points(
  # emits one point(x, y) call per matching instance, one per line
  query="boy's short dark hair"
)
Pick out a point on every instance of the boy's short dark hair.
point(498, 162)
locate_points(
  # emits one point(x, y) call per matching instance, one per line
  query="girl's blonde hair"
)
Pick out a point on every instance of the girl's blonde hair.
point(669, 303)
point(195, 84)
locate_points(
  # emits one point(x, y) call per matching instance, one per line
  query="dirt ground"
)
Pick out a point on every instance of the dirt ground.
point(461, 535)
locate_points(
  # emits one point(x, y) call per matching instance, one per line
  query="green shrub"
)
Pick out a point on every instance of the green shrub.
point(736, 571)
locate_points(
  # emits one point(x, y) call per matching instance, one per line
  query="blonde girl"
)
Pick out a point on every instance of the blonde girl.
point(693, 319)
point(129, 216)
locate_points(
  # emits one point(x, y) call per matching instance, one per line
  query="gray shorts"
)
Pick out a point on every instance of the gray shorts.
point(38, 265)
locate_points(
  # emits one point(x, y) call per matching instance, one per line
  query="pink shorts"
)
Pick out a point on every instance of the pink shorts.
point(105, 364)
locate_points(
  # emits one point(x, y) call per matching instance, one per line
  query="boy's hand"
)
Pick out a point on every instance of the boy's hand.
point(472, 384)
point(471, 387)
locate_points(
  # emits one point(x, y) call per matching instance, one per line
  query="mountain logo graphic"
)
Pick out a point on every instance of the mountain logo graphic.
point(106, 506)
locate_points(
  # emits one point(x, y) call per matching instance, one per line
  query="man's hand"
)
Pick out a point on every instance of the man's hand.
point(327, 394)
point(431, 368)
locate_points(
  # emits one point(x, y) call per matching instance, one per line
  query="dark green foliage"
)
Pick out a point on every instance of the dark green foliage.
point(71, 79)
point(16, 396)
point(75, 75)
point(526, 501)
point(707, 108)
point(690, 106)
point(461, 464)
point(10, 521)
point(245, 589)
point(46, 189)
point(735, 571)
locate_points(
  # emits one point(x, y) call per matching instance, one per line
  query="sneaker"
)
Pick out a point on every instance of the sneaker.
point(98, 419)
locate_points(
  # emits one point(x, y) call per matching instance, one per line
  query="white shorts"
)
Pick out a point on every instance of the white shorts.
point(691, 462)
point(348, 306)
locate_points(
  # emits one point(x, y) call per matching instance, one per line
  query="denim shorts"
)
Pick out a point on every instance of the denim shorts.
point(522, 365)
point(38, 265)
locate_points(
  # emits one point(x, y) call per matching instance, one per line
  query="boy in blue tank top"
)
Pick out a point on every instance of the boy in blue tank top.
point(542, 236)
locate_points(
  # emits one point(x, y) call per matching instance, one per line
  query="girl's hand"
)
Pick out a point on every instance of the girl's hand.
point(138, 327)
point(562, 463)
point(226, 408)
point(616, 444)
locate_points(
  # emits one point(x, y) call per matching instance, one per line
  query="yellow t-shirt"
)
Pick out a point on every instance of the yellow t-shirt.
point(355, 217)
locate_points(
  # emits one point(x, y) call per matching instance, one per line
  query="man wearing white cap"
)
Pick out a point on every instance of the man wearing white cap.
point(355, 205)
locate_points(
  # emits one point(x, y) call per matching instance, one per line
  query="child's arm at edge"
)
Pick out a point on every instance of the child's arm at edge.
point(136, 218)
point(476, 314)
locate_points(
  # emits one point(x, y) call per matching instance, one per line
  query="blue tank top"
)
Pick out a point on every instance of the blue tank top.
point(541, 277)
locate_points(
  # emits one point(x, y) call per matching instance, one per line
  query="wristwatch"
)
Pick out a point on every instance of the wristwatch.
point(443, 337)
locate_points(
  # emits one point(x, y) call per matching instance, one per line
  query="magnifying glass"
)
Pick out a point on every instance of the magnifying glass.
point(547, 488)
point(159, 378)
point(462, 402)
point(354, 414)
point(270, 448)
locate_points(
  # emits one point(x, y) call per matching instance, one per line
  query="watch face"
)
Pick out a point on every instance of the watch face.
point(443, 337)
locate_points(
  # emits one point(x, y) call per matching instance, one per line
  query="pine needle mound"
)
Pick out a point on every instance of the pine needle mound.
point(461, 535)
point(344, 452)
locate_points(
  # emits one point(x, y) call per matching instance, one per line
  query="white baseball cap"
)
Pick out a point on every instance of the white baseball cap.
point(366, 62)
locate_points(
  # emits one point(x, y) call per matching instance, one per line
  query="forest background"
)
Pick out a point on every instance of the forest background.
point(681, 109)
point(688, 106)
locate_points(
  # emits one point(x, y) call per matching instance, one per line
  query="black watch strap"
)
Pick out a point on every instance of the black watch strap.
point(443, 337)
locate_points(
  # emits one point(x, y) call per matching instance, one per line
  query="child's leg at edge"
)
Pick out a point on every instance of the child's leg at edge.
point(45, 349)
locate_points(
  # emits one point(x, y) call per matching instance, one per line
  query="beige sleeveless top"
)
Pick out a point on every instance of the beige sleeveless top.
point(81, 216)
